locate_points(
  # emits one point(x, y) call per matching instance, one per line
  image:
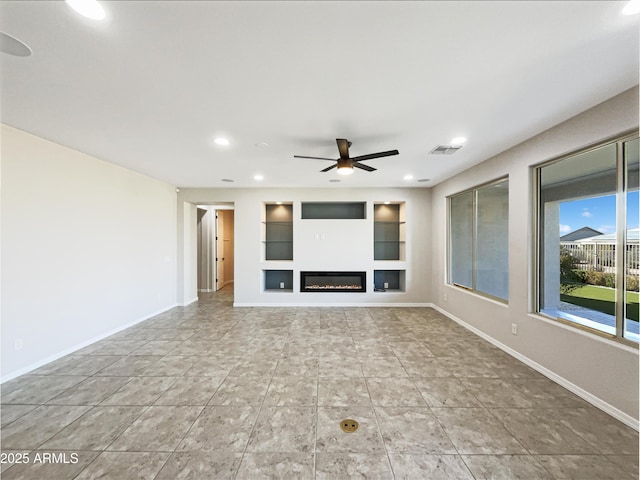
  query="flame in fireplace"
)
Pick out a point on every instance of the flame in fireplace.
point(333, 287)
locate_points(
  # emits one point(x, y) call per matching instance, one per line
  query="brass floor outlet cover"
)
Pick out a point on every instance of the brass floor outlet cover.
point(349, 425)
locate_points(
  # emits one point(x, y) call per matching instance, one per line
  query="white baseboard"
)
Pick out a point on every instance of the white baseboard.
point(587, 396)
point(75, 348)
point(188, 302)
point(329, 304)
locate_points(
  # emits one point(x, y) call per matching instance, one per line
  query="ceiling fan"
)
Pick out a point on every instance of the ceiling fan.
point(345, 164)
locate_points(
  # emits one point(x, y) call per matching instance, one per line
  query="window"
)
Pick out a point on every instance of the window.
point(632, 253)
point(479, 239)
point(588, 239)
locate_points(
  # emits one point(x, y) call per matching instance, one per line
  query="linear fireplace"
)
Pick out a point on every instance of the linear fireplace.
point(333, 281)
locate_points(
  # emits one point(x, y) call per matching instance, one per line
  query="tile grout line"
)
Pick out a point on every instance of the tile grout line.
point(255, 422)
point(148, 406)
point(103, 450)
point(375, 416)
point(315, 443)
point(404, 323)
point(204, 407)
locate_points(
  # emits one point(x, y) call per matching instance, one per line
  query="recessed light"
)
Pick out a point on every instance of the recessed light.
point(408, 177)
point(458, 141)
point(262, 144)
point(228, 180)
point(88, 8)
point(335, 180)
point(424, 179)
point(387, 203)
point(278, 203)
point(221, 141)
point(258, 177)
point(631, 8)
point(12, 46)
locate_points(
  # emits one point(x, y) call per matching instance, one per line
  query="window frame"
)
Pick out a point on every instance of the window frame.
point(474, 229)
point(621, 225)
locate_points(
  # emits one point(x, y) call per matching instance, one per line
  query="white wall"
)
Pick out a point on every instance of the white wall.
point(599, 369)
point(343, 244)
point(190, 235)
point(87, 249)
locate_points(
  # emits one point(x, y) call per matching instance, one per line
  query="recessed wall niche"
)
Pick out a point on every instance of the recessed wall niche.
point(389, 231)
point(389, 280)
point(278, 231)
point(334, 210)
point(278, 280)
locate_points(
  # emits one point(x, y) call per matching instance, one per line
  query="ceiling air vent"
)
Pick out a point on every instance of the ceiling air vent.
point(445, 149)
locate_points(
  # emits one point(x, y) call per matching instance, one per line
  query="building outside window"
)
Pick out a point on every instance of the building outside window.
point(479, 240)
point(588, 239)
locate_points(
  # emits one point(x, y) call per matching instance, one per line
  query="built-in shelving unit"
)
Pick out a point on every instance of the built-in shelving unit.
point(278, 232)
point(278, 280)
point(389, 231)
point(337, 238)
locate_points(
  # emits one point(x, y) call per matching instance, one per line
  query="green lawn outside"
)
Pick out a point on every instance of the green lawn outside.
point(601, 299)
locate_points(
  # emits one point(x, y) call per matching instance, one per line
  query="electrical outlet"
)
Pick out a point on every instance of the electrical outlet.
point(386, 284)
point(18, 344)
point(281, 284)
point(514, 328)
point(444, 297)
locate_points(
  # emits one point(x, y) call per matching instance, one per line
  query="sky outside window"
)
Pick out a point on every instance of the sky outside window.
point(598, 213)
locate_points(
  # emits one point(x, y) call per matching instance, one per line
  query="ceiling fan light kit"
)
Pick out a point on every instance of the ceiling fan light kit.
point(345, 163)
point(345, 169)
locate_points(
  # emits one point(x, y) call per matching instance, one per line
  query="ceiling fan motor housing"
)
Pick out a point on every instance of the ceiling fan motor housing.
point(345, 164)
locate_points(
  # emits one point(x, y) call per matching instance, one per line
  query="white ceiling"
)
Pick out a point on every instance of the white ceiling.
point(150, 87)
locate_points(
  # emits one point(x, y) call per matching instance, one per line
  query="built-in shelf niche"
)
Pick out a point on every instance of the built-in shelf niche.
point(334, 210)
point(278, 280)
point(278, 231)
point(389, 280)
point(389, 231)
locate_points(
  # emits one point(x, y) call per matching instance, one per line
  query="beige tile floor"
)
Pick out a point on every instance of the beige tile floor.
point(209, 391)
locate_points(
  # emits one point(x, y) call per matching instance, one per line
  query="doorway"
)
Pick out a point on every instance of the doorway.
point(215, 244)
point(224, 248)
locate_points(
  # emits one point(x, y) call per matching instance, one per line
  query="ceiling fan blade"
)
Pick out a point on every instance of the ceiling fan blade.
point(364, 167)
point(329, 168)
point(315, 158)
point(375, 155)
point(343, 147)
